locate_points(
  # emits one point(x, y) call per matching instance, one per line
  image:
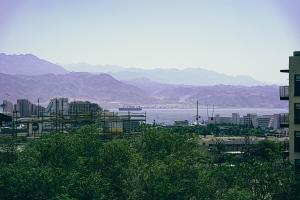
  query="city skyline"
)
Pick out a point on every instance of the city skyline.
point(160, 99)
point(226, 36)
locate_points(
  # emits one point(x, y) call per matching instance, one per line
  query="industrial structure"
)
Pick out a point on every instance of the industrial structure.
point(292, 120)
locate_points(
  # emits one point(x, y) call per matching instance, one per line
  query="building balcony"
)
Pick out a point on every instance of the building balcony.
point(284, 70)
point(284, 120)
point(284, 92)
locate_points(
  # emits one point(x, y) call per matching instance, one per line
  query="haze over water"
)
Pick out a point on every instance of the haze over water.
point(168, 116)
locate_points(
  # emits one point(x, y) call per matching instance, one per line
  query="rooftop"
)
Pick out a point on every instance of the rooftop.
point(296, 53)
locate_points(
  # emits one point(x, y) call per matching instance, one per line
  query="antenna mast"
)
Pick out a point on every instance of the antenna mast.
point(212, 113)
point(197, 117)
point(207, 111)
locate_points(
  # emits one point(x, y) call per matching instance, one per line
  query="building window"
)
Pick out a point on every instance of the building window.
point(297, 85)
point(297, 113)
point(297, 164)
point(297, 141)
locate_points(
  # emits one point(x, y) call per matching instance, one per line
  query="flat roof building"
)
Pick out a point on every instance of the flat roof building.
point(83, 107)
point(264, 121)
point(292, 120)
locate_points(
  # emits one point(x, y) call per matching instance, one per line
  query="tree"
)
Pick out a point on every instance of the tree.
point(157, 164)
point(265, 150)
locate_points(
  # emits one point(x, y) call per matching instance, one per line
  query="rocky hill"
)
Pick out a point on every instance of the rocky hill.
point(28, 64)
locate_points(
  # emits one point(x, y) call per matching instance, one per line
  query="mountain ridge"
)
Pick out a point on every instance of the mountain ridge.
point(112, 93)
point(52, 81)
point(101, 88)
point(187, 76)
point(27, 64)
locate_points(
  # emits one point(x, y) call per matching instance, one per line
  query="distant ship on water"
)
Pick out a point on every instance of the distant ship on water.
point(131, 108)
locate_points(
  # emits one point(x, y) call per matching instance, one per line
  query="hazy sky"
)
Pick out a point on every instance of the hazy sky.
point(229, 36)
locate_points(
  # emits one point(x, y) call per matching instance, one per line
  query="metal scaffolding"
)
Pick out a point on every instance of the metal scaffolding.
point(59, 122)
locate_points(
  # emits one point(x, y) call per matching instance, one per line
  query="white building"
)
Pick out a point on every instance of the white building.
point(275, 122)
point(250, 120)
point(264, 121)
point(219, 120)
point(235, 118)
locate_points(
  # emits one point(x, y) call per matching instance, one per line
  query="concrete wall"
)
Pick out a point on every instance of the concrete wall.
point(294, 68)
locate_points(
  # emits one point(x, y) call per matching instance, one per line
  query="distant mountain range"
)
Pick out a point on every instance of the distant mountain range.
point(266, 96)
point(44, 80)
point(27, 64)
point(107, 91)
point(101, 88)
point(188, 76)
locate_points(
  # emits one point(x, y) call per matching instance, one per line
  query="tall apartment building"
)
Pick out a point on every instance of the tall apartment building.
point(23, 107)
point(275, 122)
point(235, 118)
point(292, 120)
point(58, 106)
point(37, 110)
point(8, 107)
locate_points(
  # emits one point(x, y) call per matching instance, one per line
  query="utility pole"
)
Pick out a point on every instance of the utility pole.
point(197, 117)
point(62, 116)
point(38, 109)
point(56, 114)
